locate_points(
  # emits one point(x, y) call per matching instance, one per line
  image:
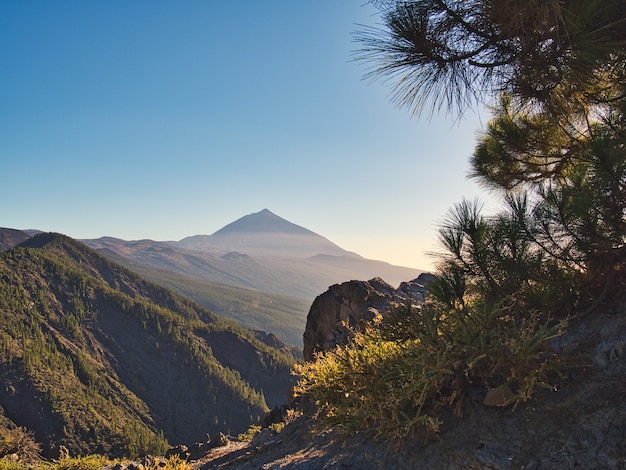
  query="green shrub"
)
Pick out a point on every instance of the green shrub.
point(173, 463)
point(20, 443)
point(277, 427)
point(396, 376)
point(8, 464)
point(90, 462)
point(252, 431)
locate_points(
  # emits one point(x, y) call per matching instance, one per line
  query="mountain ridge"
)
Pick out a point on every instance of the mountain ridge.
point(96, 359)
point(217, 270)
point(258, 252)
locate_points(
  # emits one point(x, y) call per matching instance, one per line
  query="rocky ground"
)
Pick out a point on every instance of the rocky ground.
point(579, 423)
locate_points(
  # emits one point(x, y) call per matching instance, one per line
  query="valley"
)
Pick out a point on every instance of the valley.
point(124, 348)
point(261, 270)
point(98, 360)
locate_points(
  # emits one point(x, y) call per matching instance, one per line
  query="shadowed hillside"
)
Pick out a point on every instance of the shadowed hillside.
point(11, 237)
point(95, 358)
point(282, 315)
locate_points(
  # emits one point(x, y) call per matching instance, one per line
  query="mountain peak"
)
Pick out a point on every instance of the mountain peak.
point(45, 238)
point(263, 233)
point(264, 221)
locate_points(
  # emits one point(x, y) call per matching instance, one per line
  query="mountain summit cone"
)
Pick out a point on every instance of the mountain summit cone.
point(267, 235)
point(264, 221)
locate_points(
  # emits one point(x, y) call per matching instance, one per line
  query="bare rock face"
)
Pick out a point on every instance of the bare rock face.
point(348, 307)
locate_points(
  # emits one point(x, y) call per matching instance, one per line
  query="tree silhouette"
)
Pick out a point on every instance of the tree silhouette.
point(555, 75)
point(556, 54)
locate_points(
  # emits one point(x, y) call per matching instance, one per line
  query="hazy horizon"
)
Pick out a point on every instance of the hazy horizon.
point(161, 120)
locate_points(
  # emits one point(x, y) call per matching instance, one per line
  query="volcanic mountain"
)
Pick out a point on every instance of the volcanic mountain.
point(260, 270)
point(264, 234)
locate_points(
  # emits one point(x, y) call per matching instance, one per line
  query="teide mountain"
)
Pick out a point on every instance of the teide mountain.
point(96, 359)
point(266, 234)
point(260, 251)
point(257, 255)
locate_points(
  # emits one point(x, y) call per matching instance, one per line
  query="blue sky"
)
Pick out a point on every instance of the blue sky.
point(159, 119)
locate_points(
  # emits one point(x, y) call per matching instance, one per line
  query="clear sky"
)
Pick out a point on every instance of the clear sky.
point(160, 119)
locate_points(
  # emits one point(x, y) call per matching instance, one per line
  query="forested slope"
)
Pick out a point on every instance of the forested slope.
point(94, 358)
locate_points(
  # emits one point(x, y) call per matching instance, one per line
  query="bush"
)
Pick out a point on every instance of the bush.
point(252, 431)
point(173, 463)
point(8, 464)
point(396, 377)
point(20, 443)
point(90, 462)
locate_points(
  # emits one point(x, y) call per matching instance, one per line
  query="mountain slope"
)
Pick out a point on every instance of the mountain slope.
point(10, 237)
point(299, 277)
point(94, 358)
point(264, 221)
point(260, 253)
point(282, 315)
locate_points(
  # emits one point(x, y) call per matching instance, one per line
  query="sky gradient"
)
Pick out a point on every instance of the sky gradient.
point(159, 119)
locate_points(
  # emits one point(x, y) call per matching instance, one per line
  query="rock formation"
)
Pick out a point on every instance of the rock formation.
point(348, 307)
point(577, 422)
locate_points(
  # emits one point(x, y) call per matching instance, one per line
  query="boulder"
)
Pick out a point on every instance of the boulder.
point(346, 308)
point(198, 450)
point(220, 440)
point(180, 451)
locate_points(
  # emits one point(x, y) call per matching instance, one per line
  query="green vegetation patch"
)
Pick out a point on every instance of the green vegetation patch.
point(98, 360)
point(397, 376)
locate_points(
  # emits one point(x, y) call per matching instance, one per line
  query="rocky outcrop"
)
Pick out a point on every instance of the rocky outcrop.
point(345, 308)
point(577, 422)
point(197, 450)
